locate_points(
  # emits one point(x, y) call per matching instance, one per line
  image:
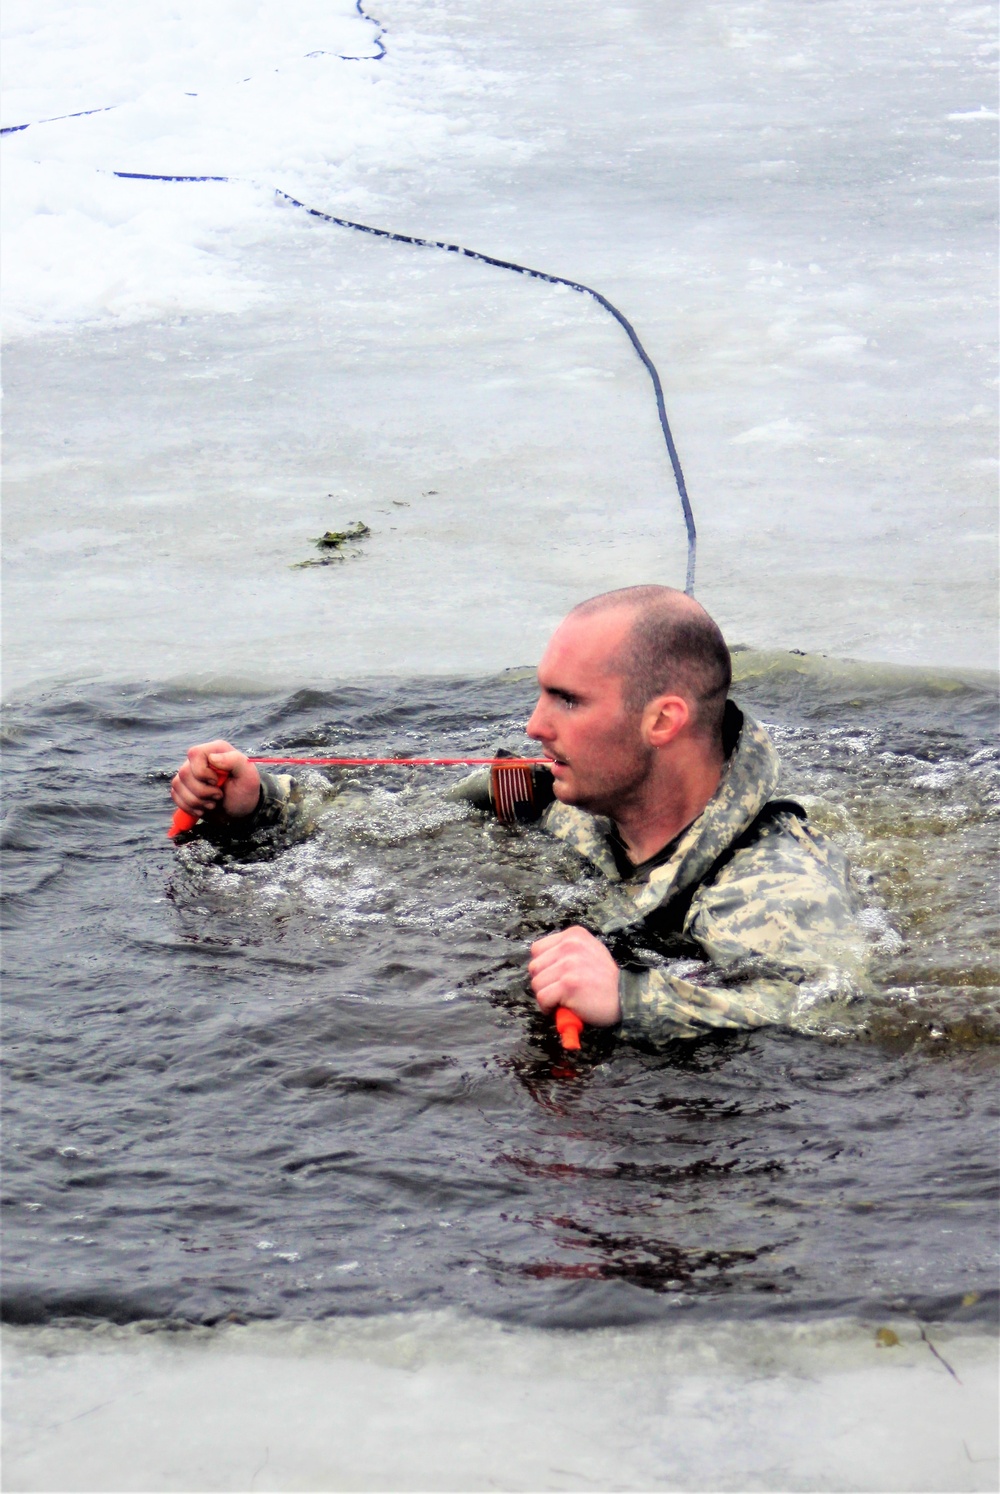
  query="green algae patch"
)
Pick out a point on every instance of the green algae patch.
point(331, 546)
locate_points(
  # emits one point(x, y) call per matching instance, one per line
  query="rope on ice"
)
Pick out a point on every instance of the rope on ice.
point(106, 108)
point(576, 285)
point(379, 33)
point(503, 264)
point(486, 259)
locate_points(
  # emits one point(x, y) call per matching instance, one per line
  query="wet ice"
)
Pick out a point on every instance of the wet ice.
point(787, 209)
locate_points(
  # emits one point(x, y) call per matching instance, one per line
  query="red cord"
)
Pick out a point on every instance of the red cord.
point(182, 822)
point(404, 762)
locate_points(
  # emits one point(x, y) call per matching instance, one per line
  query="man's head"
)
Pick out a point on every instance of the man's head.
point(628, 677)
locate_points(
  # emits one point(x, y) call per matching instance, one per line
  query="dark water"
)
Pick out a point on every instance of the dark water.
point(315, 1083)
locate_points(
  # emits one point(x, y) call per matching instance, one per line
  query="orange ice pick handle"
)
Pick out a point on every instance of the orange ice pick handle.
point(182, 821)
point(569, 1027)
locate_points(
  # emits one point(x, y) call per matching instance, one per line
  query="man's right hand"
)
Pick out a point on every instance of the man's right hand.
point(195, 787)
point(573, 969)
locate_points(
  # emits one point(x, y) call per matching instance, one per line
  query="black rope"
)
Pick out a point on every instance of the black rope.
point(106, 108)
point(486, 259)
point(576, 285)
point(503, 264)
point(379, 33)
point(149, 176)
point(54, 119)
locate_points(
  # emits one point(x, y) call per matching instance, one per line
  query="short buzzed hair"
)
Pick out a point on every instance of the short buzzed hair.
point(672, 647)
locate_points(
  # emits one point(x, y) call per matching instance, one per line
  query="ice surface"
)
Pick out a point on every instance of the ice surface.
point(794, 207)
point(435, 1401)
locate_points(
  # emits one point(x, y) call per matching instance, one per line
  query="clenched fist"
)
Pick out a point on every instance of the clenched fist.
point(195, 786)
point(574, 969)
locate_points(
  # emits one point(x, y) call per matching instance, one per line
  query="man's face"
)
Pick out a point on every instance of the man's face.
point(598, 755)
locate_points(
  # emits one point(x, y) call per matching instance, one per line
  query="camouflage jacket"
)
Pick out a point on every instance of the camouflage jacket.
point(750, 920)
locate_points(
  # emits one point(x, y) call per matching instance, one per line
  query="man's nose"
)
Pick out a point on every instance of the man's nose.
point(536, 724)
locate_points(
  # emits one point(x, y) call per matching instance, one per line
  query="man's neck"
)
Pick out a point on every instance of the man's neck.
point(670, 801)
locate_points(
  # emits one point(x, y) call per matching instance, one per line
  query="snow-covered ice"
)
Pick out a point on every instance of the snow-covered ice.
point(436, 1401)
point(794, 207)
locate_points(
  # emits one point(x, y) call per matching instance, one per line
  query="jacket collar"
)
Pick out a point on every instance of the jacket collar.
point(748, 780)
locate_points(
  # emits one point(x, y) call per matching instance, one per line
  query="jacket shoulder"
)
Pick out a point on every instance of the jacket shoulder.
point(785, 888)
point(586, 833)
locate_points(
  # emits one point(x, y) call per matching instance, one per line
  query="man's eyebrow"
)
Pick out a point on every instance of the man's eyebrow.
point(568, 695)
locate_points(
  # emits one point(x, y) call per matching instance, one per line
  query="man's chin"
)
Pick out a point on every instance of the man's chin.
point(563, 790)
point(569, 793)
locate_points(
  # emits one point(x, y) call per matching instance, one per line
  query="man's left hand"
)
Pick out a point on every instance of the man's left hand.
point(574, 969)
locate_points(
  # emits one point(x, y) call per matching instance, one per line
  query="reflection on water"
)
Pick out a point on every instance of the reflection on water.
point(315, 1082)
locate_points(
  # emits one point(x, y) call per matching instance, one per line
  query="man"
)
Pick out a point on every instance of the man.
point(725, 908)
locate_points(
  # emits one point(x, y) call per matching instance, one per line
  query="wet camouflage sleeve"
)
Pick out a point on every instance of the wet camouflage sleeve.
point(477, 789)
point(781, 941)
point(473, 789)
point(285, 811)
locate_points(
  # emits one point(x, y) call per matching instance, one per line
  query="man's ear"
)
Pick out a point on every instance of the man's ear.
point(665, 718)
